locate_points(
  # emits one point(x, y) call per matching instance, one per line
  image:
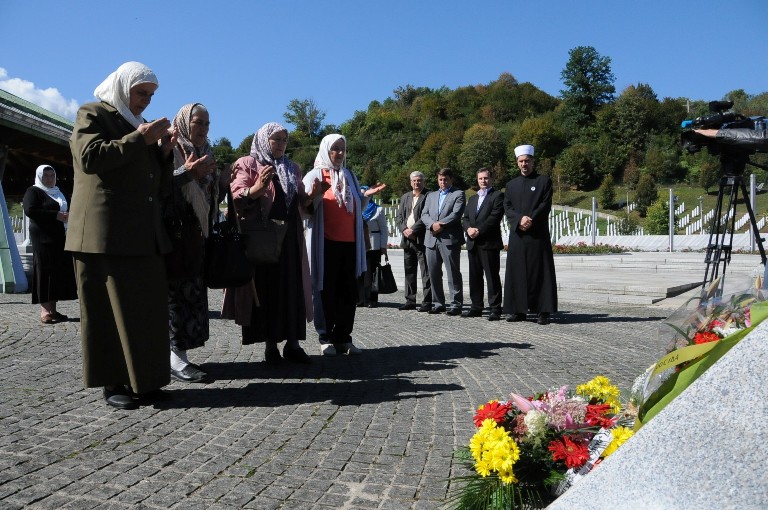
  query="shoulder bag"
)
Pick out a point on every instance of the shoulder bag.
point(264, 238)
point(226, 264)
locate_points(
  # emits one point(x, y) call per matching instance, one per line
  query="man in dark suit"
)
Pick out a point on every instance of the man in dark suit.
point(444, 237)
point(482, 224)
point(412, 228)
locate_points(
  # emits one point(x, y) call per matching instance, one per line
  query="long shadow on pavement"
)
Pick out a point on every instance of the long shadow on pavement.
point(565, 317)
point(378, 375)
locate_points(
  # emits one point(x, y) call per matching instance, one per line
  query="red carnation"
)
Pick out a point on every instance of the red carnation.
point(493, 410)
point(575, 455)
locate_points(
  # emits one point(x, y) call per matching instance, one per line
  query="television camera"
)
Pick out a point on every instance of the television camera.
point(733, 157)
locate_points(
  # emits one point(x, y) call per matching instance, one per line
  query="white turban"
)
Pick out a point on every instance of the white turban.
point(116, 89)
point(523, 150)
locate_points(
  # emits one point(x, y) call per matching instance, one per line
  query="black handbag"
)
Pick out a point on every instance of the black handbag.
point(383, 281)
point(225, 262)
point(185, 260)
point(265, 239)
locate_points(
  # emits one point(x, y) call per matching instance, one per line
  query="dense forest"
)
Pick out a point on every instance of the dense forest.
point(588, 136)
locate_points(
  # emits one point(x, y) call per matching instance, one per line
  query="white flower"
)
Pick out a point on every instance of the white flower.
point(536, 421)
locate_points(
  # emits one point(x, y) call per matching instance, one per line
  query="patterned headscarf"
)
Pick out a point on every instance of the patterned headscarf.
point(339, 183)
point(182, 122)
point(116, 88)
point(262, 152)
point(200, 192)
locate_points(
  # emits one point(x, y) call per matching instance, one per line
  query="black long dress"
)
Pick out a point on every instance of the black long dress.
point(53, 273)
point(281, 314)
point(529, 283)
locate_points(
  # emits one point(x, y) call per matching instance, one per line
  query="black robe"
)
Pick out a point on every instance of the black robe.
point(529, 282)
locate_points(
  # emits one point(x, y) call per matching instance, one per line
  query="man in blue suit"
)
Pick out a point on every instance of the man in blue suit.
point(444, 236)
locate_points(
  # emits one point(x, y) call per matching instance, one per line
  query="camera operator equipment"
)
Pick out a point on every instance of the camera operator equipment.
point(733, 137)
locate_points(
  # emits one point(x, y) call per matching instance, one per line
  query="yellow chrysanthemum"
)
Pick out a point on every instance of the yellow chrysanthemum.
point(494, 449)
point(620, 436)
point(507, 477)
point(601, 388)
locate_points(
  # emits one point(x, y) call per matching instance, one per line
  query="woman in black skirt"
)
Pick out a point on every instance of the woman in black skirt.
point(53, 274)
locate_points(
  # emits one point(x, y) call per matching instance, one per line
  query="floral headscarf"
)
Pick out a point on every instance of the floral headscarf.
point(182, 122)
point(116, 88)
point(262, 152)
point(339, 183)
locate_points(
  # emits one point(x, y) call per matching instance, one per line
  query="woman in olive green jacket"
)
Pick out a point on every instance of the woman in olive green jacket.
point(123, 166)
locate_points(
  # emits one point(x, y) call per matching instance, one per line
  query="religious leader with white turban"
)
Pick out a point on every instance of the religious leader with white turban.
point(336, 245)
point(529, 283)
point(123, 169)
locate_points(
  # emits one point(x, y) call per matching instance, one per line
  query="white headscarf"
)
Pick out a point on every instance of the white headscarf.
point(116, 89)
point(339, 183)
point(54, 192)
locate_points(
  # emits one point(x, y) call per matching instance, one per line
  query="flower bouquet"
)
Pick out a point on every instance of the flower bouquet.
point(528, 451)
point(696, 335)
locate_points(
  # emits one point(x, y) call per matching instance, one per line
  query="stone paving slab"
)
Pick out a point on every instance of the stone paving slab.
point(372, 431)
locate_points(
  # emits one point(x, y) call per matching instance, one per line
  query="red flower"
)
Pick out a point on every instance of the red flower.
point(575, 455)
point(597, 415)
point(494, 410)
point(705, 337)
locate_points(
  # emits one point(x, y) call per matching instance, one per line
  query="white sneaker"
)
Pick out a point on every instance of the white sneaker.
point(327, 350)
point(350, 348)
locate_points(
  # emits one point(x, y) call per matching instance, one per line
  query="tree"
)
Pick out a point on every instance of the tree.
point(575, 166)
point(223, 152)
point(305, 116)
point(645, 194)
point(631, 174)
point(482, 147)
point(588, 81)
point(708, 171)
point(657, 219)
point(607, 193)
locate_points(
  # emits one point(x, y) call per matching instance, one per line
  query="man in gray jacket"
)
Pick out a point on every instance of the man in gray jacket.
point(414, 253)
point(444, 236)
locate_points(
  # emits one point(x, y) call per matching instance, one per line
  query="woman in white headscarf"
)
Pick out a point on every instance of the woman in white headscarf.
point(123, 169)
point(267, 182)
point(190, 212)
point(336, 245)
point(53, 277)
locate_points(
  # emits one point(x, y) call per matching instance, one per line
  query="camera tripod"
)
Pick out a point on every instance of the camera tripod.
point(721, 233)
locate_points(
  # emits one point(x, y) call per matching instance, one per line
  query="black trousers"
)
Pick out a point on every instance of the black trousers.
point(484, 262)
point(413, 259)
point(339, 294)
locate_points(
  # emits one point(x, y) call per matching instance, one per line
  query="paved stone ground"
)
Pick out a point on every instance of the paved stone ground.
point(373, 431)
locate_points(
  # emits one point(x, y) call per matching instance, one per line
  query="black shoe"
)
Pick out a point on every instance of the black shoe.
point(494, 316)
point(151, 397)
point(296, 354)
point(543, 318)
point(272, 356)
point(373, 304)
point(120, 398)
point(437, 309)
point(188, 374)
point(472, 313)
point(59, 317)
point(424, 308)
point(407, 306)
point(517, 317)
point(196, 367)
point(454, 311)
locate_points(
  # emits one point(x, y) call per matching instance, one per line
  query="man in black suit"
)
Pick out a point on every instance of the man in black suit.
point(442, 219)
point(412, 228)
point(482, 224)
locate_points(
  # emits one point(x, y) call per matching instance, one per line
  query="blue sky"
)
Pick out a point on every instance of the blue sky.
point(247, 59)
